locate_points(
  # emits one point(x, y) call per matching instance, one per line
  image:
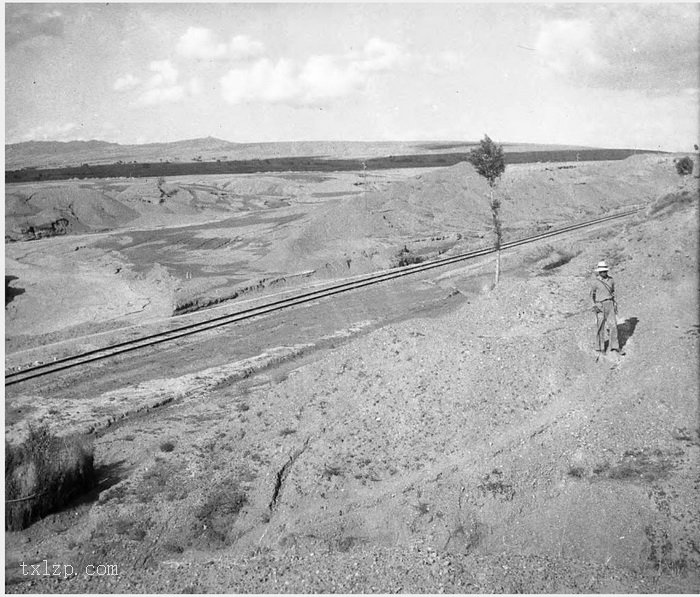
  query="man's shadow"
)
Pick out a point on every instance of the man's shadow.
point(625, 330)
point(11, 293)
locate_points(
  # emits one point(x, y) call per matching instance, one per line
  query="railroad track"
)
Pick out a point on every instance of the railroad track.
point(99, 354)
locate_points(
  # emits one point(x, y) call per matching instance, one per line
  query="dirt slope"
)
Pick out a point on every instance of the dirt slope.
point(449, 203)
point(34, 215)
point(486, 450)
point(64, 284)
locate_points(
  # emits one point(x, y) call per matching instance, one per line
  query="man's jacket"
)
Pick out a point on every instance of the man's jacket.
point(603, 289)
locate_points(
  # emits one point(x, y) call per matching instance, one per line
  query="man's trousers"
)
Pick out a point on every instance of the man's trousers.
point(607, 320)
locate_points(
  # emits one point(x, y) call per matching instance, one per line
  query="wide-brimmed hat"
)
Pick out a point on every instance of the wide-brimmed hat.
point(602, 267)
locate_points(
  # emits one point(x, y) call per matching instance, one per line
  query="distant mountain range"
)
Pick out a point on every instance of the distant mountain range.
point(50, 154)
point(56, 154)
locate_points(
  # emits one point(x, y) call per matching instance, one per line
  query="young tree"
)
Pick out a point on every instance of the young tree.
point(489, 162)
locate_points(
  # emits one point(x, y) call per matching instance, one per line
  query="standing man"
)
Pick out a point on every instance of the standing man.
point(605, 308)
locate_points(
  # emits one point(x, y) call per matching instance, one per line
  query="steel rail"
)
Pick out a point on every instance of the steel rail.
point(370, 279)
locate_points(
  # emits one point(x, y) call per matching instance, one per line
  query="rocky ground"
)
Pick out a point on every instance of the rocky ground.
point(487, 449)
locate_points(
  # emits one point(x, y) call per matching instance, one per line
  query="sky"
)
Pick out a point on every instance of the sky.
point(604, 75)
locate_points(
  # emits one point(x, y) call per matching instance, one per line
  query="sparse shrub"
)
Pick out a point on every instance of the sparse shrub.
point(173, 547)
point(331, 471)
point(493, 483)
point(161, 479)
point(167, 446)
point(641, 465)
point(405, 257)
point(130, 528)
point(44, 473)
point(422, 508)
point(217, 515)
point(684, 166)
point(558, 259)
point(576, 471)
point(346, 543)
point(671, 202)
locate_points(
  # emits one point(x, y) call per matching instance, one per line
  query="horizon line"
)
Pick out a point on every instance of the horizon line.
point(349, 141)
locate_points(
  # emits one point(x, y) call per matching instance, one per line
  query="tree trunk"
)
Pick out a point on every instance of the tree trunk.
point(498, 268)
point(497, 233)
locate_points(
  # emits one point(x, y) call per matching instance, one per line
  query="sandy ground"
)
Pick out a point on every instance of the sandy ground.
point(486, 449)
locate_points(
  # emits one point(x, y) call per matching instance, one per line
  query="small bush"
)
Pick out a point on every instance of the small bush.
point(405, 257)
point(43, 474)
point(684, 166)
point(167, 446)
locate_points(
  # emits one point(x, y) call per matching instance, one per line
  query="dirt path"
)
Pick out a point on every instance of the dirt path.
point(483, 450)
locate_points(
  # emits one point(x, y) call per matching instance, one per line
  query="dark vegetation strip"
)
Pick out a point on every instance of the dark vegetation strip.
point(300, 164)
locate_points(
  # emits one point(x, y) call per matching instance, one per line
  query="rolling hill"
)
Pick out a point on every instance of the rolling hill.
point(54, 154)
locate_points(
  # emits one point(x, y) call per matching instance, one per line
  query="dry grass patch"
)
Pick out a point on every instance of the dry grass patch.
point(44, 473)
point(672, 202)
point(642, 465)
point(216, 516)
point(550, 257)
point(162, 479)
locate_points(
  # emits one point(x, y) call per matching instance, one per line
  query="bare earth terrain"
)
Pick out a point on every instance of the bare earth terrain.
point(429, 436)
point(153, 248)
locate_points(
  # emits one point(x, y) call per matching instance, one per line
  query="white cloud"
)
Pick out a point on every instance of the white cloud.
point(653, 47)
point(162, 87)
point(325, 77)
point(166, 73)
point(321, 78)
point(378, 56)
point(200, 43)
point(264, 81)
point(126, 82)
point(242, 47)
